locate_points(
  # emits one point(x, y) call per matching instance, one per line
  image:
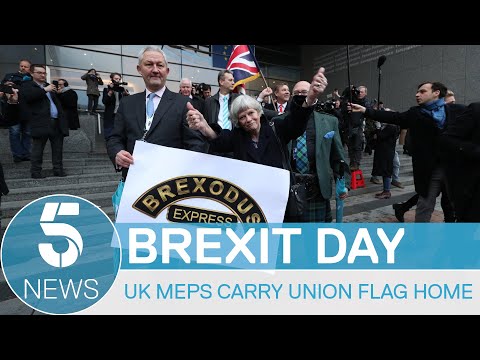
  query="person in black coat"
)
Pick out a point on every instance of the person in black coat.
point(47, 121)
point(9, 115)
point(112, 94)
point(69, 100)
point(460, 145)
point(252, 139)
point(426, 122)
point(385, 141)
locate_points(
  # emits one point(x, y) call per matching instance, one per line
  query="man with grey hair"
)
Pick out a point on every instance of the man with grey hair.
point(156, 115)
point(186, 90)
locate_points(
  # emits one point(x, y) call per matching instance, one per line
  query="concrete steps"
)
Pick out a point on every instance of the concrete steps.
point(89, 175)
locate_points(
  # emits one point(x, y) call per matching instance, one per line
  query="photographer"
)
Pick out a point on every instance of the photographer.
point(19, 134)
point(9, 116)
point(93, 80)
point(354, 122)
point(204, 91)
point(112, 95)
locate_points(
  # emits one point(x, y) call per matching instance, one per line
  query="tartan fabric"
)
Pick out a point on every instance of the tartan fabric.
point(318, 211)
point(302, 159)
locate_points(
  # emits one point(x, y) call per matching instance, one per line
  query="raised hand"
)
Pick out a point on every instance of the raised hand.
point(317, 86)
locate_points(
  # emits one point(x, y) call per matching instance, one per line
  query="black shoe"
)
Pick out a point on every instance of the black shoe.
point(38, 176)
point(16, 160)
point(399, 212)
point(60, 173)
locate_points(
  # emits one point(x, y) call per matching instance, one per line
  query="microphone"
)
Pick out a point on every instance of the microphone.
point(381, 61)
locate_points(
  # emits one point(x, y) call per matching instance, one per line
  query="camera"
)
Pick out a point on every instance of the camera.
point(327, 106)
point(7, 89)
point(355, 93)
point(55, 82)
point(120, 83)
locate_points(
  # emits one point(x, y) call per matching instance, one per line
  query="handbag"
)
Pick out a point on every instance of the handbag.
point(297, 196)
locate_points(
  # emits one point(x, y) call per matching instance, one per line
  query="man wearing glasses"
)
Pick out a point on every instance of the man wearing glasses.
point(47, 121)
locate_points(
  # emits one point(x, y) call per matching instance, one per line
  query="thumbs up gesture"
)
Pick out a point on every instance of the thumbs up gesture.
point(195, 118)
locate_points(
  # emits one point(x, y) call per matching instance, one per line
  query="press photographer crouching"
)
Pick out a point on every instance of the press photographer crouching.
point(112, 95)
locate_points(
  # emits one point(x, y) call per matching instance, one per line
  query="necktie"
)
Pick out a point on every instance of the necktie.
point(302, 159)
point(280, 108)
point(226, 120)
point(150, 106)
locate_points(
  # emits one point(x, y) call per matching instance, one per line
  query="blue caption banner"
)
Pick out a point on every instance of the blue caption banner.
point(300, 246)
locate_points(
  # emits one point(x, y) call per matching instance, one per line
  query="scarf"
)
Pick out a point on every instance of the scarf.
point(436, 109)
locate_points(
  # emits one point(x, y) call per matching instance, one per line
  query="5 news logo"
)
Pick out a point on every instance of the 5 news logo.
point(60, 254)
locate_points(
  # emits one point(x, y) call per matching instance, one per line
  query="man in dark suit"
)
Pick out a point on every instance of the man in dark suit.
point(157, 115)
point(47, 121)
point(282, 97)
point(217, 107)
point(426, 122)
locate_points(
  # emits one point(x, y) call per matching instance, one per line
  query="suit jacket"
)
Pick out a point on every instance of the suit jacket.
point(212, 108)
point(169, 126)
point(198, 103)
point(270, 107)
point(425, 136)
point(34, 102)
point(460, 145)
point(328, 152)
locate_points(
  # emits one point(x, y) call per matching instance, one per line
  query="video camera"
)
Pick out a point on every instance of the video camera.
point(353, 90)
point(327, 106)
point(7, 89)
point(116, 85)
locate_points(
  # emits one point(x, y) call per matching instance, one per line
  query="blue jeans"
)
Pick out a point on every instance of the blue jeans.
point(20, 141)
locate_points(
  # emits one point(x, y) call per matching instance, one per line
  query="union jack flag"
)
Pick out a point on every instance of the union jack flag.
point(243, 65)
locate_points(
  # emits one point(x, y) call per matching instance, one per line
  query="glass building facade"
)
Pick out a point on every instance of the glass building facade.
point(70, 62)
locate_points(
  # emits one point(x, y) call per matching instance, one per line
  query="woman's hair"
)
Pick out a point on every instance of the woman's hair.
point(242, 103)
point(91, 70)
point(65, 82)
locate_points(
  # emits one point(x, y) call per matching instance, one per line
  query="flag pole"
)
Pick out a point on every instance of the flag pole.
point(261, 74)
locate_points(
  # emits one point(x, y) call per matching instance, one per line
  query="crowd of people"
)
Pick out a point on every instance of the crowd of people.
point(443, 136)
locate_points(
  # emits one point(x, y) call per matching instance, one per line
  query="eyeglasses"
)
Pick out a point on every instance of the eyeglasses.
point(304, 92)
point(40, 72)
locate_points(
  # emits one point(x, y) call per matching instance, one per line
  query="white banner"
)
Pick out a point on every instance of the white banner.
point(172, 185)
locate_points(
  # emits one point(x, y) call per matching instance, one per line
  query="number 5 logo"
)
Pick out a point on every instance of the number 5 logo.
point(75, 242)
